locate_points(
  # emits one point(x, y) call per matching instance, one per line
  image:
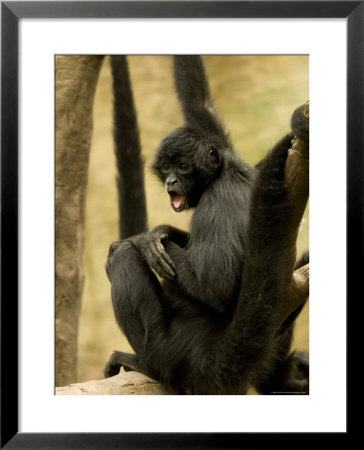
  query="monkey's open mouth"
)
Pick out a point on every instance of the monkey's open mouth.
point(177, 201)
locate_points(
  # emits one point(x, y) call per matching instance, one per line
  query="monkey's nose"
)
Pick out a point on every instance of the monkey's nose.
point(172, 182)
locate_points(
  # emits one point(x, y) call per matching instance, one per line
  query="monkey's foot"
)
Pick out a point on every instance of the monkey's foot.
point(300, 122)
point(296, 374)
point(111, 369)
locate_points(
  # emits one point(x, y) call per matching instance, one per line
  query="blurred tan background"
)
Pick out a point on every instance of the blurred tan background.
point(255, 97)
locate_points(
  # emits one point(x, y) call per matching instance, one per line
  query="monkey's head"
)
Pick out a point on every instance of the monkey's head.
point(186, 162)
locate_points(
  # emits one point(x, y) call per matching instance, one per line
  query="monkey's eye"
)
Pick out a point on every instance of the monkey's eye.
point(184, 166)
point(165, 167)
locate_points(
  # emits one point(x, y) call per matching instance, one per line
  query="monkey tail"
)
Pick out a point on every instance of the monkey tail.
point(194, 94)
point(130, 178)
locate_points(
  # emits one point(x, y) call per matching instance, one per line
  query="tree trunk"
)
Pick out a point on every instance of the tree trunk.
point(129, 383)
point(76, 78)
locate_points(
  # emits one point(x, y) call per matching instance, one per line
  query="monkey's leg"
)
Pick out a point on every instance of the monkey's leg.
point(288, 372)
point(279, 200)
point(138, 302)
point(121, 359)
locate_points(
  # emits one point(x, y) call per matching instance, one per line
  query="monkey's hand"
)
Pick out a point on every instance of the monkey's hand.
point(152, 249)
point(300, 122)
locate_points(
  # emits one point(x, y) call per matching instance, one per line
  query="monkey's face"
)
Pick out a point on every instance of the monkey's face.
point(186, 163)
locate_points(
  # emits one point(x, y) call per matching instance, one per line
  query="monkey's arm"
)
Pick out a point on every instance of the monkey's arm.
point(204, 280)
point(194, 95)
point(163, 249)
point(180, 237)
point(151, 247)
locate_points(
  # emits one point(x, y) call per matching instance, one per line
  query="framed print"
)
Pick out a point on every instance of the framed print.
point(33, 36)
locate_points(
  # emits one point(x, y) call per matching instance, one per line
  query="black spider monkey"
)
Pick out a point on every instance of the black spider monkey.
point(210, 327)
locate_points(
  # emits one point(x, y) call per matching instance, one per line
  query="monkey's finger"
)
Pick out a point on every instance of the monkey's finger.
point(153, 259)
point(168, 272)
point(163, 237)
point(163, 261)
point(154, 265)
point(149, 257)
point(161, 270)
point(164, 274)
point(162, 252)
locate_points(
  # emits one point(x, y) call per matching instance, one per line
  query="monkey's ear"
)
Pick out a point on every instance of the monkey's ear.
point(214, 157)
point(213, 154)
point(211, 158)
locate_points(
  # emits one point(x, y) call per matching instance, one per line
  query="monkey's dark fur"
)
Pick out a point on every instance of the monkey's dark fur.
point(210, 326)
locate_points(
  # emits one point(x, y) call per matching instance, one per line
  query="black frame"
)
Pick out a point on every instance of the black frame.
point(11, 13)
